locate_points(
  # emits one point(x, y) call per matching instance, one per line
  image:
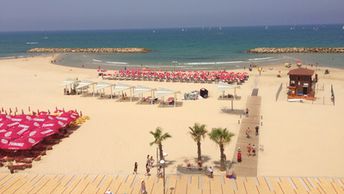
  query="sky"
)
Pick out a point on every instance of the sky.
point(45, 15)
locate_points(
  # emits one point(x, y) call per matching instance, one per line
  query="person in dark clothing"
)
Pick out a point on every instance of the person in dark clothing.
point(257, 130)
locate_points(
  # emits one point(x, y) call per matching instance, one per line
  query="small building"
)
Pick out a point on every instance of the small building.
point(301, 84)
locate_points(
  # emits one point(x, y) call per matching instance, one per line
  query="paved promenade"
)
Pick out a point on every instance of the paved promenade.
point(248, 166)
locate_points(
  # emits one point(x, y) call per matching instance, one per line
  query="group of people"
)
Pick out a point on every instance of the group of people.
point(248, 131)
point(251, 149)
point(149, 165)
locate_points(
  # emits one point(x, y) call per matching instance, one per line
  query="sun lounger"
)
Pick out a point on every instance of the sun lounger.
point(18, 166)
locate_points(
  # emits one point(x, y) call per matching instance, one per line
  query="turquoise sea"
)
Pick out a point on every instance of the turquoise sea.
point(202, 48)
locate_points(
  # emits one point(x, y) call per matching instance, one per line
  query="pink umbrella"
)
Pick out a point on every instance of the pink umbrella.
point(23, 143)
point(45, 132)
point(3, 143)
point(54, 125)
point(9, 135)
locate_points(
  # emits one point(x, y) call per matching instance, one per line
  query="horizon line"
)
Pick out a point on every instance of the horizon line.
point(172, 27)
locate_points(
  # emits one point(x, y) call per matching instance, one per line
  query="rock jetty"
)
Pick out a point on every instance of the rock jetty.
point(296, 50)
point(89, 50)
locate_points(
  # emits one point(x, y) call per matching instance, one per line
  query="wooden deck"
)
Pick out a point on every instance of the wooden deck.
point(175, 184)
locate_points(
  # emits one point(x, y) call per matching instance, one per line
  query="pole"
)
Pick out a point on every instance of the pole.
point(157, 157)
point(111, 91)
point(164, 181)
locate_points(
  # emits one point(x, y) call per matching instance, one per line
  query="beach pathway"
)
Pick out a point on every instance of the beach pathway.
point(248, 166)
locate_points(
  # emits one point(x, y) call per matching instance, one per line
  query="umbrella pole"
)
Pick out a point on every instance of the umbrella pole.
point(131, 94)
point(175, 99)
point(111, 92)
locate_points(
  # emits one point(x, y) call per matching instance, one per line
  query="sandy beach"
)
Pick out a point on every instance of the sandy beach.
point(117, 133)
point(299, 139)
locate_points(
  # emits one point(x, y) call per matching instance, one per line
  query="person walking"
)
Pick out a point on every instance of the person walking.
point(253, 150)
point(257, 130)
point(248, 132)
point(249, 148)
point(147, 170)
point(135, 168)
point(143, 187)
point(239, 155)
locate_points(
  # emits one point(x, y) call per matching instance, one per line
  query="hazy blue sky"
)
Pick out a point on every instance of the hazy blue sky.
point(117, 14)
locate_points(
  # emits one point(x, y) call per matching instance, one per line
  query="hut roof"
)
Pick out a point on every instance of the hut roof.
point(301, 71)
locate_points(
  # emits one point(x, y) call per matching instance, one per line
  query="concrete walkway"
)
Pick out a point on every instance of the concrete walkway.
point(248, 166)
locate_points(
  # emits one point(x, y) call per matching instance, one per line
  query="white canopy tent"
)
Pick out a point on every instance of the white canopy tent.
point(70, 83)
point(120, 87)
point(139, 90)
point(222, 87)
point(85, 84)
point(162, 92)
point(101, 86)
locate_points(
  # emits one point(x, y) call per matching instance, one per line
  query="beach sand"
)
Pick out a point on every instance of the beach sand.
point(302, 139)
point(117, 133)
point(299, 139)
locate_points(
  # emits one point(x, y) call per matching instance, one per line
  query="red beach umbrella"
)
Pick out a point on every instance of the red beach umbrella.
point(23, 143)
point(9, 135)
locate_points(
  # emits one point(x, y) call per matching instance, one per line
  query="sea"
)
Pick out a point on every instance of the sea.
point(183, 48)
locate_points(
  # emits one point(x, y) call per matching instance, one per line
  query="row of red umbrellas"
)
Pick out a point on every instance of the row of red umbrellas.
point(22, 132)
point(193, 75)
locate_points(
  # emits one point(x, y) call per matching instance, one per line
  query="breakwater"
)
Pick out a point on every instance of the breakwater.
point(89, 50)
point(296, 50)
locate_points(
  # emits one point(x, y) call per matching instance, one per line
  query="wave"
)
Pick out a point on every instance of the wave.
point(117, 63)
point(31, 43)
point(260, 59)
point(214, 63)
point(96, 60)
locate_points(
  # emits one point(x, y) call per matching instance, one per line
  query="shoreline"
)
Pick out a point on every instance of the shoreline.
point(293, 50)
point(88, 50)
point(55, 57)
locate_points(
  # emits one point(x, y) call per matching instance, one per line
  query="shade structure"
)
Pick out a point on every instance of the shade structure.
point(163, 92)
point(139, 90)
point(85, 85)
point(119, 87)
point(101, 86)
point(70, 82)
point(225, 87)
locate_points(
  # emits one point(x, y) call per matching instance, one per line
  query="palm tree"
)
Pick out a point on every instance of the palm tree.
point(198, 132)
point(221, 136)
point(159, 137)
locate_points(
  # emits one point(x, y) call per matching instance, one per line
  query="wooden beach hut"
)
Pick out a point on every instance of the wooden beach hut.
point(301, 84)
